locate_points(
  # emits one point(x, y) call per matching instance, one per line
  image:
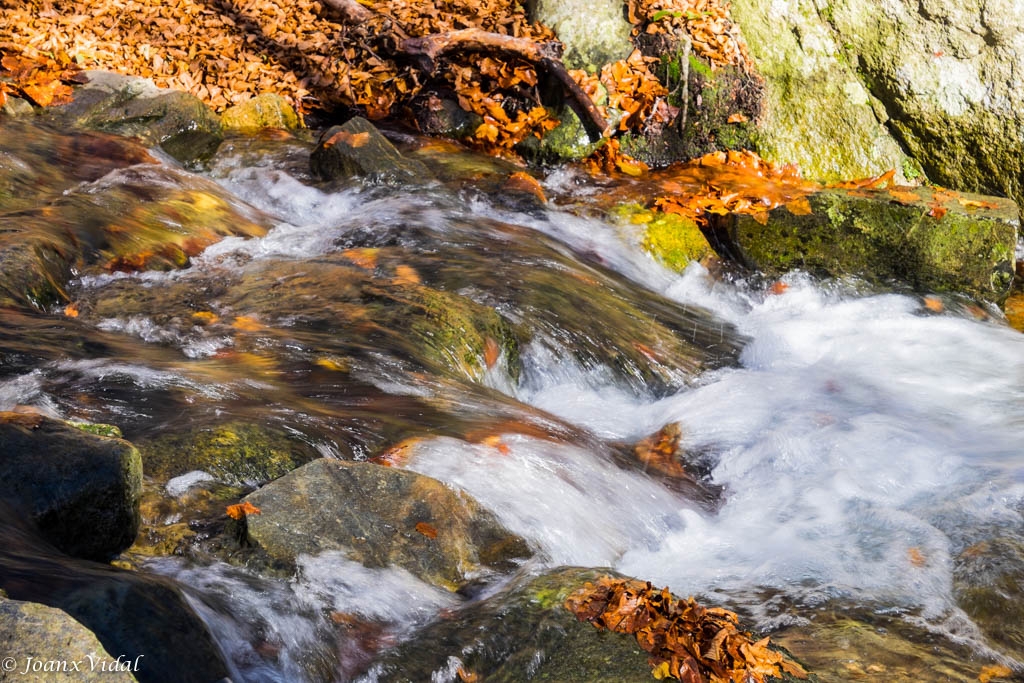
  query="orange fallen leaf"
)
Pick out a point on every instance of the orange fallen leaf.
point(397, 455)
point(240, 510)
point(71, 310)
point(778, 288)
point(491, 352)
point(934, 304)
point(246, 324)
point(799, 207)
point(937, 212)
point(994, 671)
point(916, 557)
point(467, 676)
point(364, 258)
point(494, 441)
point(904, 197)
point(205, 317)
point(346, 138)
point(737, 118)
point(976, 204)
point(521, 181)
point(405, 275)
point(427, 530)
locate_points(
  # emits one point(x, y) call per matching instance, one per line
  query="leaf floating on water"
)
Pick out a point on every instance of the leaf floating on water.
point(246, 323)
point(205, 317)
point(491, 352)
point(427, 530)
point(405, 275)
point(934, 304)
point(397, 455)
point(240, 510)
point(71, 310)
point(364, 258)
point(994, 671)
point(685, 640)
point(778, 288)
point(521, 181)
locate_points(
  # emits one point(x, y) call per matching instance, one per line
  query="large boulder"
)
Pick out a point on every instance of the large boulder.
point(358, 149)
point(179, 123)
point(929, 240)
point(818, 113)
point(48, 645)
point(950, 75)
point(132, 614)
point(380, 516)
point(594, 32)
point(82, 490)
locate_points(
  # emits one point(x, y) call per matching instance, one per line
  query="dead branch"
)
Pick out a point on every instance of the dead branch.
point(351, 11)
point(546, 56)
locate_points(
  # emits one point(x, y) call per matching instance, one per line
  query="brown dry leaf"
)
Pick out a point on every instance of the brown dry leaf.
point(937, 212)
point(737, 118)
point(935, 305)
point(22, 418)
point(427, 530)
point(778, 288)
point(365, 257)
point(994, 671)
point(905, 197)
point(467, 676)
point(976, 204)
point(397, 455)
point(48, 94)
point(240, 510)
point(246, 323)
point(71, 310)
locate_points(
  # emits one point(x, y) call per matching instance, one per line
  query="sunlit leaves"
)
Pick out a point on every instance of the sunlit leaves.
point(707, 22)
point(240, 510)
point(43, 80)
point(685, 640)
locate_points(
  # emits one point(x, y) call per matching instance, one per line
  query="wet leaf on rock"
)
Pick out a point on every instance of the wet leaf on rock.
point(685, 640)
point(240, 510)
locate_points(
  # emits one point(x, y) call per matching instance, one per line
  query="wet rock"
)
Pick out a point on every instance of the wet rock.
point(381, 516)
point(132, 614)
point(538, 639)
point(569, 141)
point(30, 630)
point(268, 110)
point(179, 123)
point(914, 236)
point(441, 115)
point(81, 490)
point(842, 646)
point(594, 33)
point(16, 106)
point(989, 584)
point(358, 149)
point(236, 453)
point(675, 240)
point(818, 112)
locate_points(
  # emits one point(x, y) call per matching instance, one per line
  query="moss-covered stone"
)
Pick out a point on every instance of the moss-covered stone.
point(30, 630)
point(569, 141)
point(178, 122)
point(381, 516)
point(673, 239)
point(965, 246)
point(235, 453)
point(111, 431)
point(358, 149)
point(818, 112)
point(267, 110)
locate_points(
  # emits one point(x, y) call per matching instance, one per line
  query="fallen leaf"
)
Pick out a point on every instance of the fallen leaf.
point(71, 310)
point(737, 118)
point(916, 557)
point(405, 275)
point(240, 510)
point(799, 207)
point(937, 212)
point(778, 287)
point(205, 317)
point(246, 324)
point(427, 530)
point(365, 258)
point(933, 304)
point(491, 352)
point(467, 676)
point(994, 671)
point(521, 181)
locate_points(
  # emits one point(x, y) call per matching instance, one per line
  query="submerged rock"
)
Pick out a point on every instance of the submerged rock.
point(919, 236)
point(268, 110)
point(358, 149)
point(989, 584)
point(179, 123)
point(381, 516)
point(29, 631)
point(538, 639)
point(237, 454)
point(81, 490)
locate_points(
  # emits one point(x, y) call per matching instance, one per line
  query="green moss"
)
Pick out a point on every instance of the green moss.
point(698, 65)
point(238, 454)
point(98, 429)
point(263, 111)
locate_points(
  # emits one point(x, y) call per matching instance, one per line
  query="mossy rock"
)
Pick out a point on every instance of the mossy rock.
point(267, 110)
point(381, 516)
point(967, 245)
point(357, 149)
point(30, 630)
point(989, 586)
point(235, 453)
point(675, 240)
point(569, 141)
point(177, 122)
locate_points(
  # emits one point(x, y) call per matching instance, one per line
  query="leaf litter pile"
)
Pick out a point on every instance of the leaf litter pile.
point(685, 641)
point(320, 58)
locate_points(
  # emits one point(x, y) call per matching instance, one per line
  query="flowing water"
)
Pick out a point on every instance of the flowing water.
point(859, 449)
